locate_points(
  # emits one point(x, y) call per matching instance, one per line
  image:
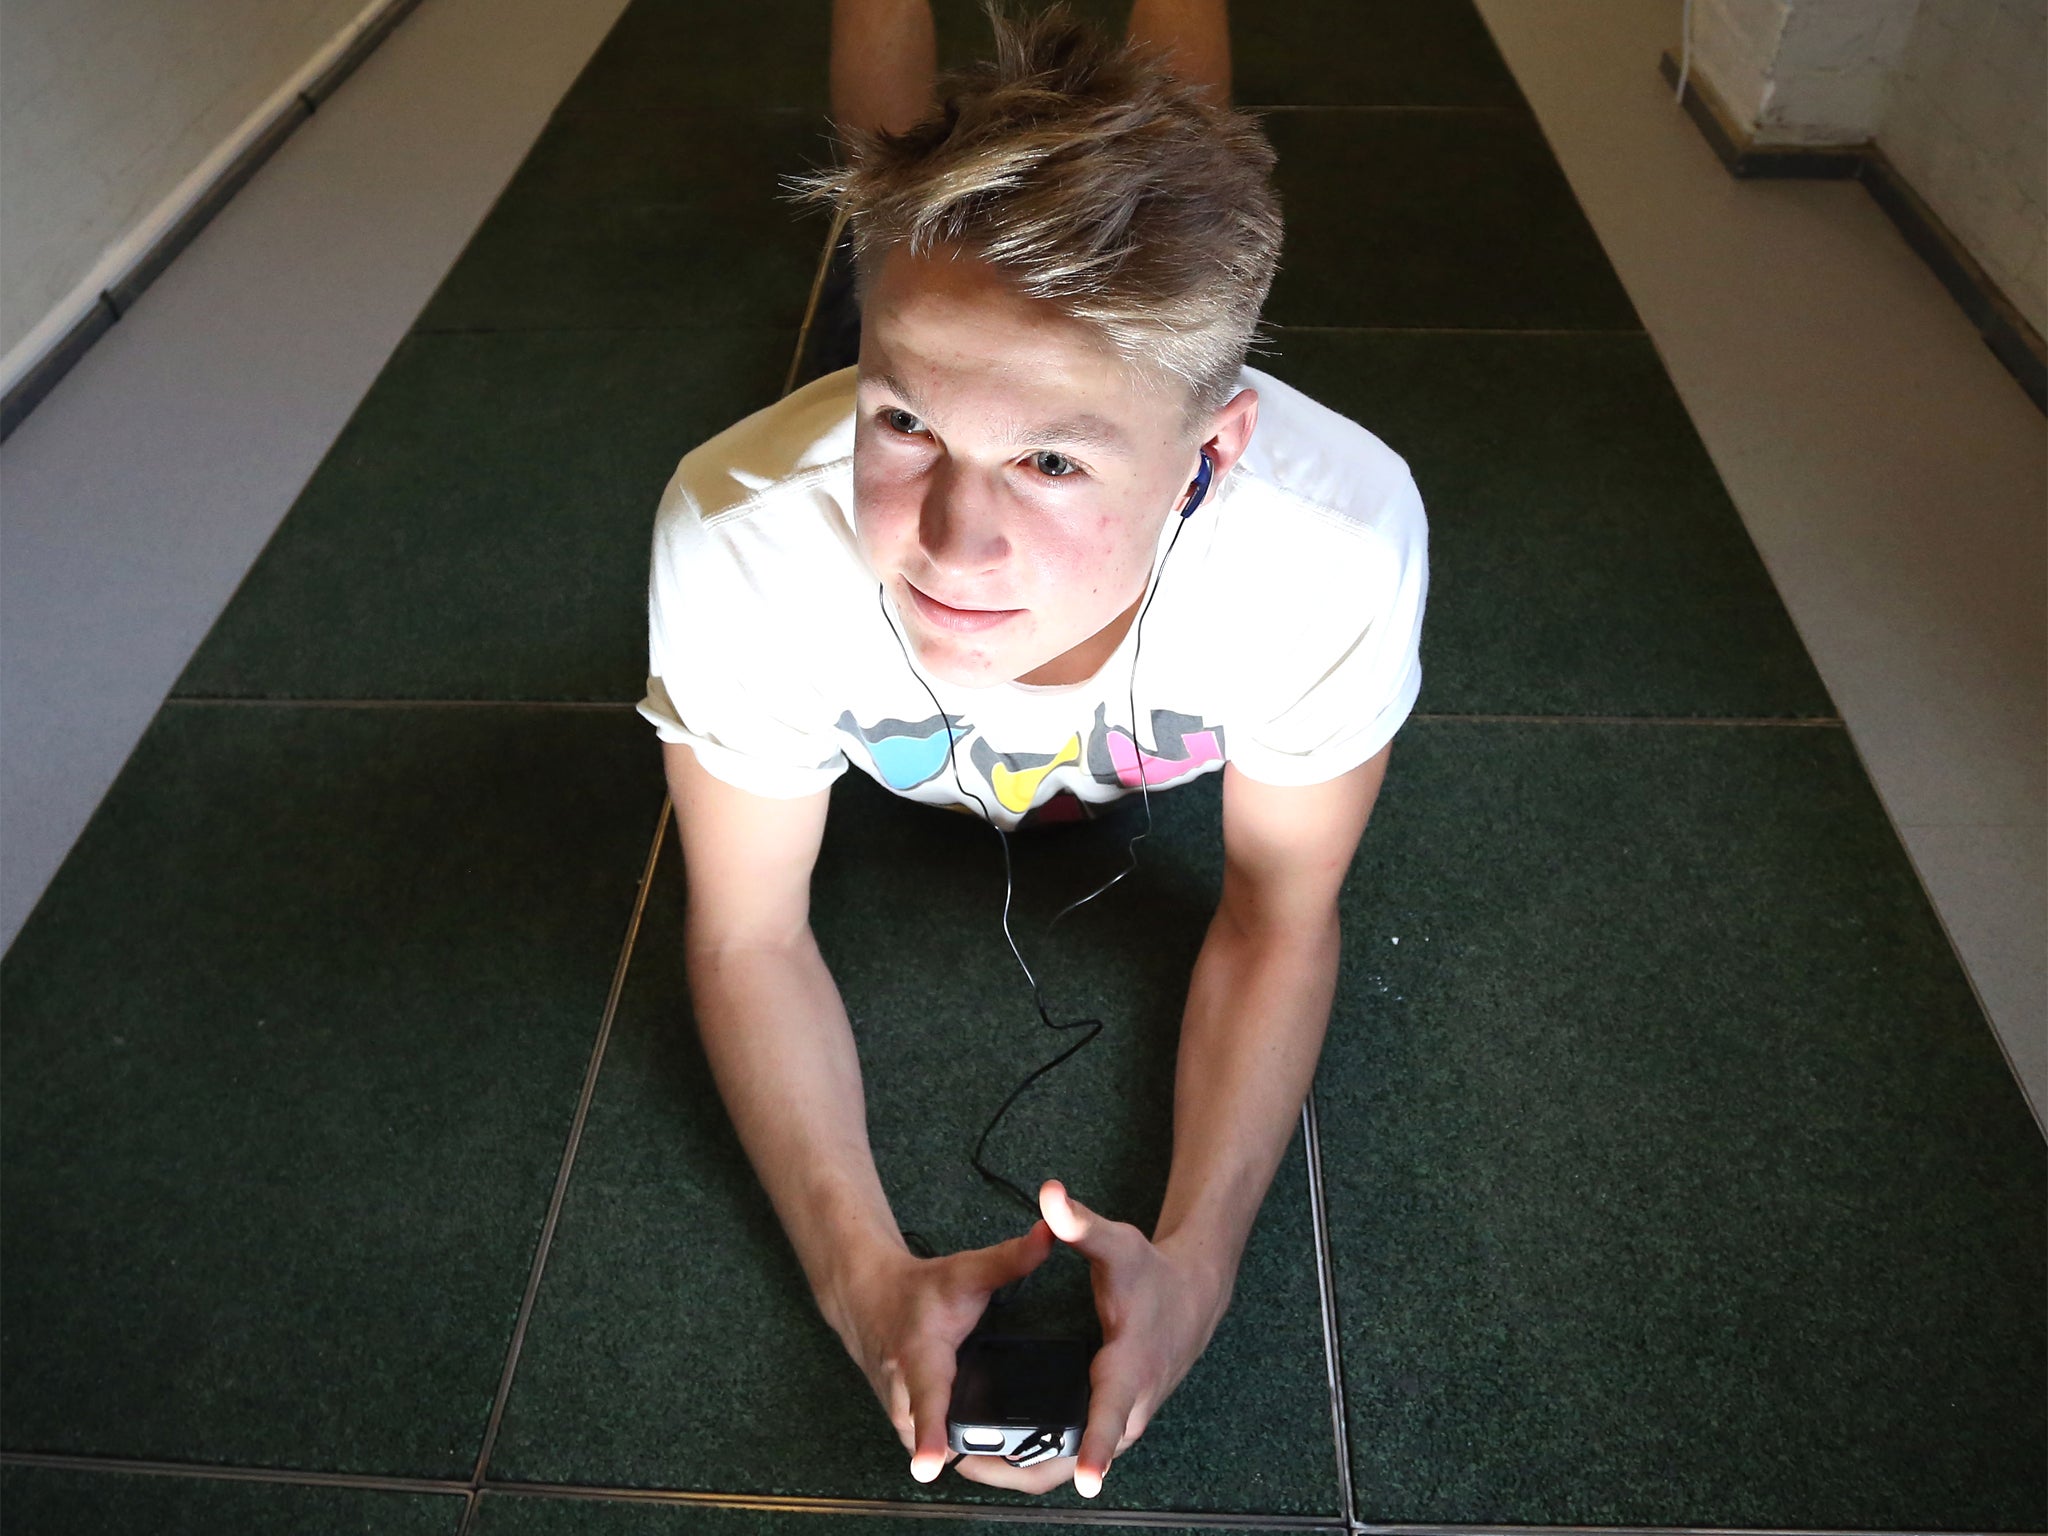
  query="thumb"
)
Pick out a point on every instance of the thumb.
point(930, 1386)
point(1016, 1258)
point(1071, 1221)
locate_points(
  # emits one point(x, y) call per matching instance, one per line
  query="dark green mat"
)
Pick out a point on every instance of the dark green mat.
point(481, 528)
point(531, 1515)
point(1366, 53)
point(637, 220)
point(42, 1501)
point(675, 1342)
point(1584, 557)
point(1433, 219)
point(292, 1046)
point(1674, 1175)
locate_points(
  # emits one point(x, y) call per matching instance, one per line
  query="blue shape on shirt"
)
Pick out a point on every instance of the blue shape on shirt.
point(906, 753)
point(907, 761)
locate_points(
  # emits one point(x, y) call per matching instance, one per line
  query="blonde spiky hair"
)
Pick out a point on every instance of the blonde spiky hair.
point(1092, 178)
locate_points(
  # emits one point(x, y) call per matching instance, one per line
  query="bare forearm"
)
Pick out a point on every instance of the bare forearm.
point(776, 1034)
point(1258, 1009)
point(1196, 36)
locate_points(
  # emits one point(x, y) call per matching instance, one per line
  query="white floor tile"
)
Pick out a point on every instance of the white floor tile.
point(1987, 883)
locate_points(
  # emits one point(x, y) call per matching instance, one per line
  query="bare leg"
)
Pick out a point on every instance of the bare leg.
point(1197, 35)
point(884, 56)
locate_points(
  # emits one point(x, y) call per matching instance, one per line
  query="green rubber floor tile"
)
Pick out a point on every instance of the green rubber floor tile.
point(293, 1044)
point(480, 529)
point(1366, 53)
point(645, 220)
point(668, 54)
point(500, 1514)
point(675, 1342)
point(1584, 556)
point(46, 1501)
point(1674, 1175)
point(1433, 219)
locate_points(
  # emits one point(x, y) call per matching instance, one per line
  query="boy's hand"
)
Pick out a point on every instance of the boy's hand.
point(902, 1318)
point(1158, 1312)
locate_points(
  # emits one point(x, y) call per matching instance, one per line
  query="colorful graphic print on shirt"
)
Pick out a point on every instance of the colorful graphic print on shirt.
point(909, 753)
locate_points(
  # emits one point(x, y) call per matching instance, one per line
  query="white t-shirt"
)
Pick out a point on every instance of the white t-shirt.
point(1282, 636)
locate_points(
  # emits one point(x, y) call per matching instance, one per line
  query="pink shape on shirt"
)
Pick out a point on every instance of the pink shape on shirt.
point(1126, 755)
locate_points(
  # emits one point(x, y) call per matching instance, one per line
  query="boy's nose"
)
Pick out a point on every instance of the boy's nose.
point(960, 527)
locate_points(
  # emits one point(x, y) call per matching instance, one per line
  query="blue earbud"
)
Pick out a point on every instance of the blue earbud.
point(1200, 486)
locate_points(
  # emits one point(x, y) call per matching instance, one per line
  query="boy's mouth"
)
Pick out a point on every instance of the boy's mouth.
point(964, 620)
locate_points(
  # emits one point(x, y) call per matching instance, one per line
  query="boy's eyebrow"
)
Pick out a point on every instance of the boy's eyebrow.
point(1087, 429)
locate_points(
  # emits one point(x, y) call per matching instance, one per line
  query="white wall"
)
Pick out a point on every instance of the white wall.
point(107, 105)
point(1801, 71)
point(1953, 92)
point(1965, 126)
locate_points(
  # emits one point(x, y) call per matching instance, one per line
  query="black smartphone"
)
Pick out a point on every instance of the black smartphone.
point(1022, 1398)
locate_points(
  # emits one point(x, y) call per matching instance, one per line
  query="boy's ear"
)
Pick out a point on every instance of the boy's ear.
point(1231, 431)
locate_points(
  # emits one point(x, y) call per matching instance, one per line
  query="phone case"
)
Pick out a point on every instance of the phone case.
point(1021, 1398)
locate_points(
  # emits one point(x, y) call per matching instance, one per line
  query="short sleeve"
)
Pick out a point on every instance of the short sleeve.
point(1353, 667)
point(718, 670)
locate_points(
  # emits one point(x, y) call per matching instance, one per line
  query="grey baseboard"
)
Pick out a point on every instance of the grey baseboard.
point(29, 390)
point(2012, 340)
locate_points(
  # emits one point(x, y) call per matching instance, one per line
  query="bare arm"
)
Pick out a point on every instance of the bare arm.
point(773, 1026)
point(777, 1037)
point(1259, 1004)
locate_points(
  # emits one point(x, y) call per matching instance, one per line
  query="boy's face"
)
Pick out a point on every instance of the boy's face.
point(1010, 477)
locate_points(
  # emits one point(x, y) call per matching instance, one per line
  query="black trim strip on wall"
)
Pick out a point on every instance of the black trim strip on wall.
point(28, 391)
point(2012, 340)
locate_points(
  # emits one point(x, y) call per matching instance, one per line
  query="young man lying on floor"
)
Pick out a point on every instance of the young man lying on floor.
point(1060, 271)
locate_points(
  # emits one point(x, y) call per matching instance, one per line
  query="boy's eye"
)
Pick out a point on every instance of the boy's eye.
point(1054, 466)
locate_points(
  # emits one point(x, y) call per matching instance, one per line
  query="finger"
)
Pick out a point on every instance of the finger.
point(899, 1411)
point(930, 1374)
point(1109, 1414)
point(1088, 1233)
point(998, 1473)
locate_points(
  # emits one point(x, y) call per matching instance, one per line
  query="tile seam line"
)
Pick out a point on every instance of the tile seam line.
point(764, 326)
point(370, 1482)
point(2037, 1112)
point(140, 1467)
point(1412, 1528)
point(1326, 1295)
point(788, 382)
point(1803, 722)
point(1278, 325)
point(288, 703)
point(932, 1510)
point(803, 334)
point(685, 109)
point(1304, 328)
point(1748, 722)
point(1496, 109)
point(559, 1195)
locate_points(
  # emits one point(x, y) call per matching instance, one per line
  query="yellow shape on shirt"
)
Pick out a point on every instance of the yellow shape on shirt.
point(1016, 787)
